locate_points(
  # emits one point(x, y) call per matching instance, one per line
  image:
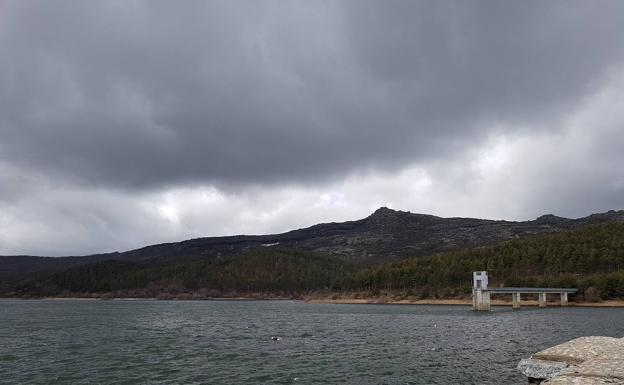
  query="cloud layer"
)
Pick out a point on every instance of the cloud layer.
point(130, 122)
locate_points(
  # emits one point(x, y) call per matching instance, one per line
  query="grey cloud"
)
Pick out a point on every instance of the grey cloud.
point(516, 62)
point(124, 123)
point(148, 94)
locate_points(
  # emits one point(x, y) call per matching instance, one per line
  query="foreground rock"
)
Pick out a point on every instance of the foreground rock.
point(585, 360)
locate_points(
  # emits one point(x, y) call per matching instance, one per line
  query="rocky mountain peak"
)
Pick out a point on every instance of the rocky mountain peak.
point(550, 218)
point(386, 215)
point(383, 211)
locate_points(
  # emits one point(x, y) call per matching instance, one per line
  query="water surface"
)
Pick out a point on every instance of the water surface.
point(223, 342)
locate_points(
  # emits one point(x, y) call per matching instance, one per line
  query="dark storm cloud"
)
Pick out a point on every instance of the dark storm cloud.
point(515, 62)
point(125, 123)
point(147, 94)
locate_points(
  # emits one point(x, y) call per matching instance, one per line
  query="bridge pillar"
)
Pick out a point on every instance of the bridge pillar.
point(564, 299)
point(515, 300)
point(542, 299)
point(480, 300)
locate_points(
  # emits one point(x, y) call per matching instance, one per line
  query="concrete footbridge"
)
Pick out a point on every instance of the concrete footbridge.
point(481, 292)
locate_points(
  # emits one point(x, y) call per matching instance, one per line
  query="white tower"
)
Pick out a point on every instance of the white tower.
point(480, 293)
point(480, 280)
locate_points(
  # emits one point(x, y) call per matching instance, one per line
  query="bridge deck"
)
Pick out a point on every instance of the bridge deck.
point(530, 290)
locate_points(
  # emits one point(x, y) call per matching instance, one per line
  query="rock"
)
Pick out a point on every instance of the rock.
point(540, 369)
point(584, 360)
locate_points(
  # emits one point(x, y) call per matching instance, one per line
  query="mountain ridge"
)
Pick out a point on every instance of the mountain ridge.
point(385, 235)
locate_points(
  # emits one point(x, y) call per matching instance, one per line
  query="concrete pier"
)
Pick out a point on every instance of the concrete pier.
point(564, 299)
point(481, 293)
point(481, 300)
point(542, 299)
point(585, 360)
point(515, 300)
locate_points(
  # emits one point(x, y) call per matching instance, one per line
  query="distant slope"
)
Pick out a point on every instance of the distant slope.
point(16, 267)
point(386, 235)
point(259, 270)
point(591, 259)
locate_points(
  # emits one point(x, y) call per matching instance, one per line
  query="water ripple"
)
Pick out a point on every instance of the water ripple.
point(204, 342)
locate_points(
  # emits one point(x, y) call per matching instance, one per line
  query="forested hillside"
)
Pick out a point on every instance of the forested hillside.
point(261, 270)
point(592, 257)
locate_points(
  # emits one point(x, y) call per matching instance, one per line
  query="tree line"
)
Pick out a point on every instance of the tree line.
point(591, 259)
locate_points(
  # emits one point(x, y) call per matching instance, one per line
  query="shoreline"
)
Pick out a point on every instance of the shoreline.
point(79, 299)
point(460, 302)
point(342, 301)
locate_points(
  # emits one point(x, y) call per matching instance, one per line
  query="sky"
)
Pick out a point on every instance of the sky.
point(127, 123)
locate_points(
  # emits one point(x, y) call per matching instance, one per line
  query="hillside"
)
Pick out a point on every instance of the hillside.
point(591, 258)
point(261, 270)
point(386, 235)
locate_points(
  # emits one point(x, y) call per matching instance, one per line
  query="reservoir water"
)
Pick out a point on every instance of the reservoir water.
point(230, 342)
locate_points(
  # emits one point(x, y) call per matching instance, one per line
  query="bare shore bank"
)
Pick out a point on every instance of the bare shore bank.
point(329, 300)
point(458, 302)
